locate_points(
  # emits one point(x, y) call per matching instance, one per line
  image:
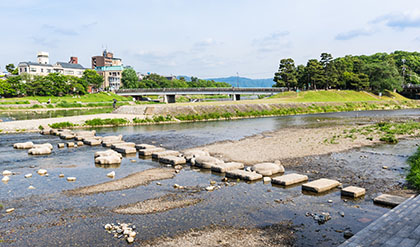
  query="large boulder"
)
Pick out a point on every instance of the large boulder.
point(23, 145)
point(207, 162)
point(267, 169)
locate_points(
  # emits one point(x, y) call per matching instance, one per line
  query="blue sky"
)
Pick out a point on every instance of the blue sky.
point(206, 38)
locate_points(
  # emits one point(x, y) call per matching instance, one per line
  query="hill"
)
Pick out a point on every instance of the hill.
point(245, 82)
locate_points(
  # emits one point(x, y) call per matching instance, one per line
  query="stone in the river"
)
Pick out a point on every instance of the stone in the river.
point(225, 167)
point(353, 191)
point(144, 146)
point(9, 210)
point(289, 179)
point(130, 240)
point(173, 160)
point(71, 179)
point(39, 151)
point(157, 155)
point(389, 200)
point(268, 169)
point(149, 151)
point(321, 185)
point(210, 188)
point(111, 174)
point(31, 187)
point(267, 179)
point(23, 145)
point(61, 175)
point(108, 227)
point(70, 144)
point(42, 172)
point(5, 179)
point(244, 175)
point(28, 175)
point(60, 145)
point(207, 162)
point(194, 154)
point(7, 173)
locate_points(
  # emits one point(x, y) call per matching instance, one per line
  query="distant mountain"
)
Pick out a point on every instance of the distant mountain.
point(245, 82)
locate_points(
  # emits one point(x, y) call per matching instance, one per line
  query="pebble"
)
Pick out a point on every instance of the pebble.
point(61, 175)
point(108, 227)
point(111, 174)
point(10, 210)
point(225, 179)
point(130, 240)
point(330, 201)
point(5, 179)
point(266, 179)
point(176, 186)
point(133, 161)
point(210, 188)
point(384, 167)
point(28, 175)
point(7, 173)
point(71, 179)
point(178, 167)
point(158, 183)
point(348, 234)
point(132, 234)
point(342, 214)
point(42, 172)
point(31, 187)
point(212, 182)
point(176, 171)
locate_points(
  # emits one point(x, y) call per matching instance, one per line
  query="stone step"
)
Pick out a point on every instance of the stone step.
point(320, 185)
point(353, 191)
point(389, 200)
point(289, 179)
point(244, 175)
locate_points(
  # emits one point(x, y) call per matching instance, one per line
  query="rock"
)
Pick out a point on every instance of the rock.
point(31, 187)
point(342, 214)
point(126, 231)
point(80, 143)
point(194, 154)
point(130, 240)
point(207, 162)
point(389, 200)
point(108, 227)
point(161, 154)
point(176, 186)
point(111, 174)
point(210, 188)
point(320, 185)
point(245, 175)
point(173, 160)
point(5, 179)
point(29, 175)
point(61, 175)
point(144, 146)
point(132, 234)
point(178, 167)
point(225, 167)
point(7, 173)
point(108, 160)
point(47, 145)
point(289, 179)
point(267, 169)
point(158, 183)
point(108, 152)
point(212, 182)
point(9, 210)
point(67, 135)
point(92, 141)
point(225, 179)
point(384, 167)
point(23, 145)
point(353, 191)
point(148, 151)
point(60, 145)
point(347, 234)
point(39, 151)
point(266, 179)
point(126, 144)
point(330, 201)
point(124, 148)
point(71, 179)
point(42, 172)
point(70, 144)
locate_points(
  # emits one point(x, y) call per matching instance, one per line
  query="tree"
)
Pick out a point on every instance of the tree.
point(314, 73)
point(129, 78)
point(10, 67)
point(383, 75)
point(330, 71)
point(92, 78)
point(356, 81)
point(286, 75)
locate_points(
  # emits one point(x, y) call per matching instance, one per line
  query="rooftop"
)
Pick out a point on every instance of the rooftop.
point(70, 65)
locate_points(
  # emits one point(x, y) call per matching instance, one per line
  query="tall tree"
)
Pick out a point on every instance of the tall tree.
point(10, 67)
point(129, 78)
point(286, 75)
point(92, 78)
point(330, 71)
point(314, 73)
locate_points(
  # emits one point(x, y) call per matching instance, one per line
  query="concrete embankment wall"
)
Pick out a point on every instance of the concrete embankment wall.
point(175, 110)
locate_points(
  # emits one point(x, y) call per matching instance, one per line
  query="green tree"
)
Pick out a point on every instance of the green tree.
point(330, 71)
point(10, 68)
point(92, 78)
point(314, 73)
point(356, 81)
point(286, 75)
point(383, 75)
point(129, 78)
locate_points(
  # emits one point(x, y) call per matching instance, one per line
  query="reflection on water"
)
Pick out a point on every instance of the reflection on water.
point(46, 216)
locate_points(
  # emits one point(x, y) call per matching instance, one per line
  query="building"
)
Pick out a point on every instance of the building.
point(110, 68)
point(43, 67)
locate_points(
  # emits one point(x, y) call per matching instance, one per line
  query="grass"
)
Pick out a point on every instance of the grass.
point(413, 176)
point(335, 96)
point(96, 97)
point(61, 125)
point(106, 121)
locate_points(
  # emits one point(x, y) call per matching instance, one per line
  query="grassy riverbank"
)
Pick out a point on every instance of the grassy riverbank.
point(88, 98)
point(414, 174)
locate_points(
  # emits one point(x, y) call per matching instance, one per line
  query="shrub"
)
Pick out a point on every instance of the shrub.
point(414, 174)
point(106, 121)
point(62, 125)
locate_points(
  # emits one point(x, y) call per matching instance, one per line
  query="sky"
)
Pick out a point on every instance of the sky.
point(205, 38)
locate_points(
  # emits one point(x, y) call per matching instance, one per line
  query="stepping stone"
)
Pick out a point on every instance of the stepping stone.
point(23, 145)
point(244, 175)
point(289, 179)
point(110, 143)
point(70, 144)
point(79, 143)
point(144, 146)
point(320, 185)
point(173, 160)
point(67, 135)
point(389, 200)
point(207, 162)
point(353, 191)
point(225, 167)
point(92, 142)
point(124, 149)
point(127, 144)
point(267, 169)
point(194, 154)
point(157, 155)
point(60, 145)
point(149, 151)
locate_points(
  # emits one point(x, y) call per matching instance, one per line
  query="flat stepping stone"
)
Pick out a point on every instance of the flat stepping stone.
point(127, 144)
point(70, 144)
point(244, 175)
point(267, 169)
point(289, 179)
point(389, 200)
point(194, 154)
point(125, 149)
point(144, 146)
point(207, 162)
point(157, 155)
point(353, 191)
point(320, 185)
point(112, 142)
point(67, 136)
point(173, 160)
point(92, 142)
point(23, 145)
point(225, 167)
point(149, 151)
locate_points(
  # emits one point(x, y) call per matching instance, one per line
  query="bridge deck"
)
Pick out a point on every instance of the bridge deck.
point(399, 227)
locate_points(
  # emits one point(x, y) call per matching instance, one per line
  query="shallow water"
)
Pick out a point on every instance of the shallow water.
point(7, 116)
point(45, 216)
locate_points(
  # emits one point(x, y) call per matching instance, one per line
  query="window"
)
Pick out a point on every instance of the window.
point(26, 69)
point(42, 70)
point(48, 70)
point(110, 73)
point(33, 69)
point(21, 70)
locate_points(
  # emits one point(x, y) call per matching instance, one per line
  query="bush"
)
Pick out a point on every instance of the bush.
point(414, 174)
point(106, 121)
point(61, 125)
point(389, 138)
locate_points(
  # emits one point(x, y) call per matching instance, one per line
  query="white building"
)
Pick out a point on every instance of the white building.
point(43, 67)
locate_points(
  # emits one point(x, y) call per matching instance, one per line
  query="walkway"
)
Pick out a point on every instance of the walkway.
point(398, 227)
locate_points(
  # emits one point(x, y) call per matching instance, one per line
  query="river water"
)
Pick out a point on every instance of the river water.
point(47, 217)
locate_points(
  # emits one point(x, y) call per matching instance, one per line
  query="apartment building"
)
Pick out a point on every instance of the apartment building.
point(110, 68)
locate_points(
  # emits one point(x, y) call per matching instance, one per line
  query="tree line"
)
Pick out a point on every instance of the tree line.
point(53, 84)
point(377, 72)
point(130, 80)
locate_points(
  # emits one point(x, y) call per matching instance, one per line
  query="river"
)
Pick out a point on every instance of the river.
point(45, 216)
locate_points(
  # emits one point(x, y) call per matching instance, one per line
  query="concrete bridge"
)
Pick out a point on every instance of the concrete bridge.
point(170, 93)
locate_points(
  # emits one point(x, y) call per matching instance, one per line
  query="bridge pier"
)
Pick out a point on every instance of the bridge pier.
point(235, 97)
point(169, 98)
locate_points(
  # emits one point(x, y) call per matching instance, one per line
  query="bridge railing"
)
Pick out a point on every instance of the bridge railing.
point(215, 89)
